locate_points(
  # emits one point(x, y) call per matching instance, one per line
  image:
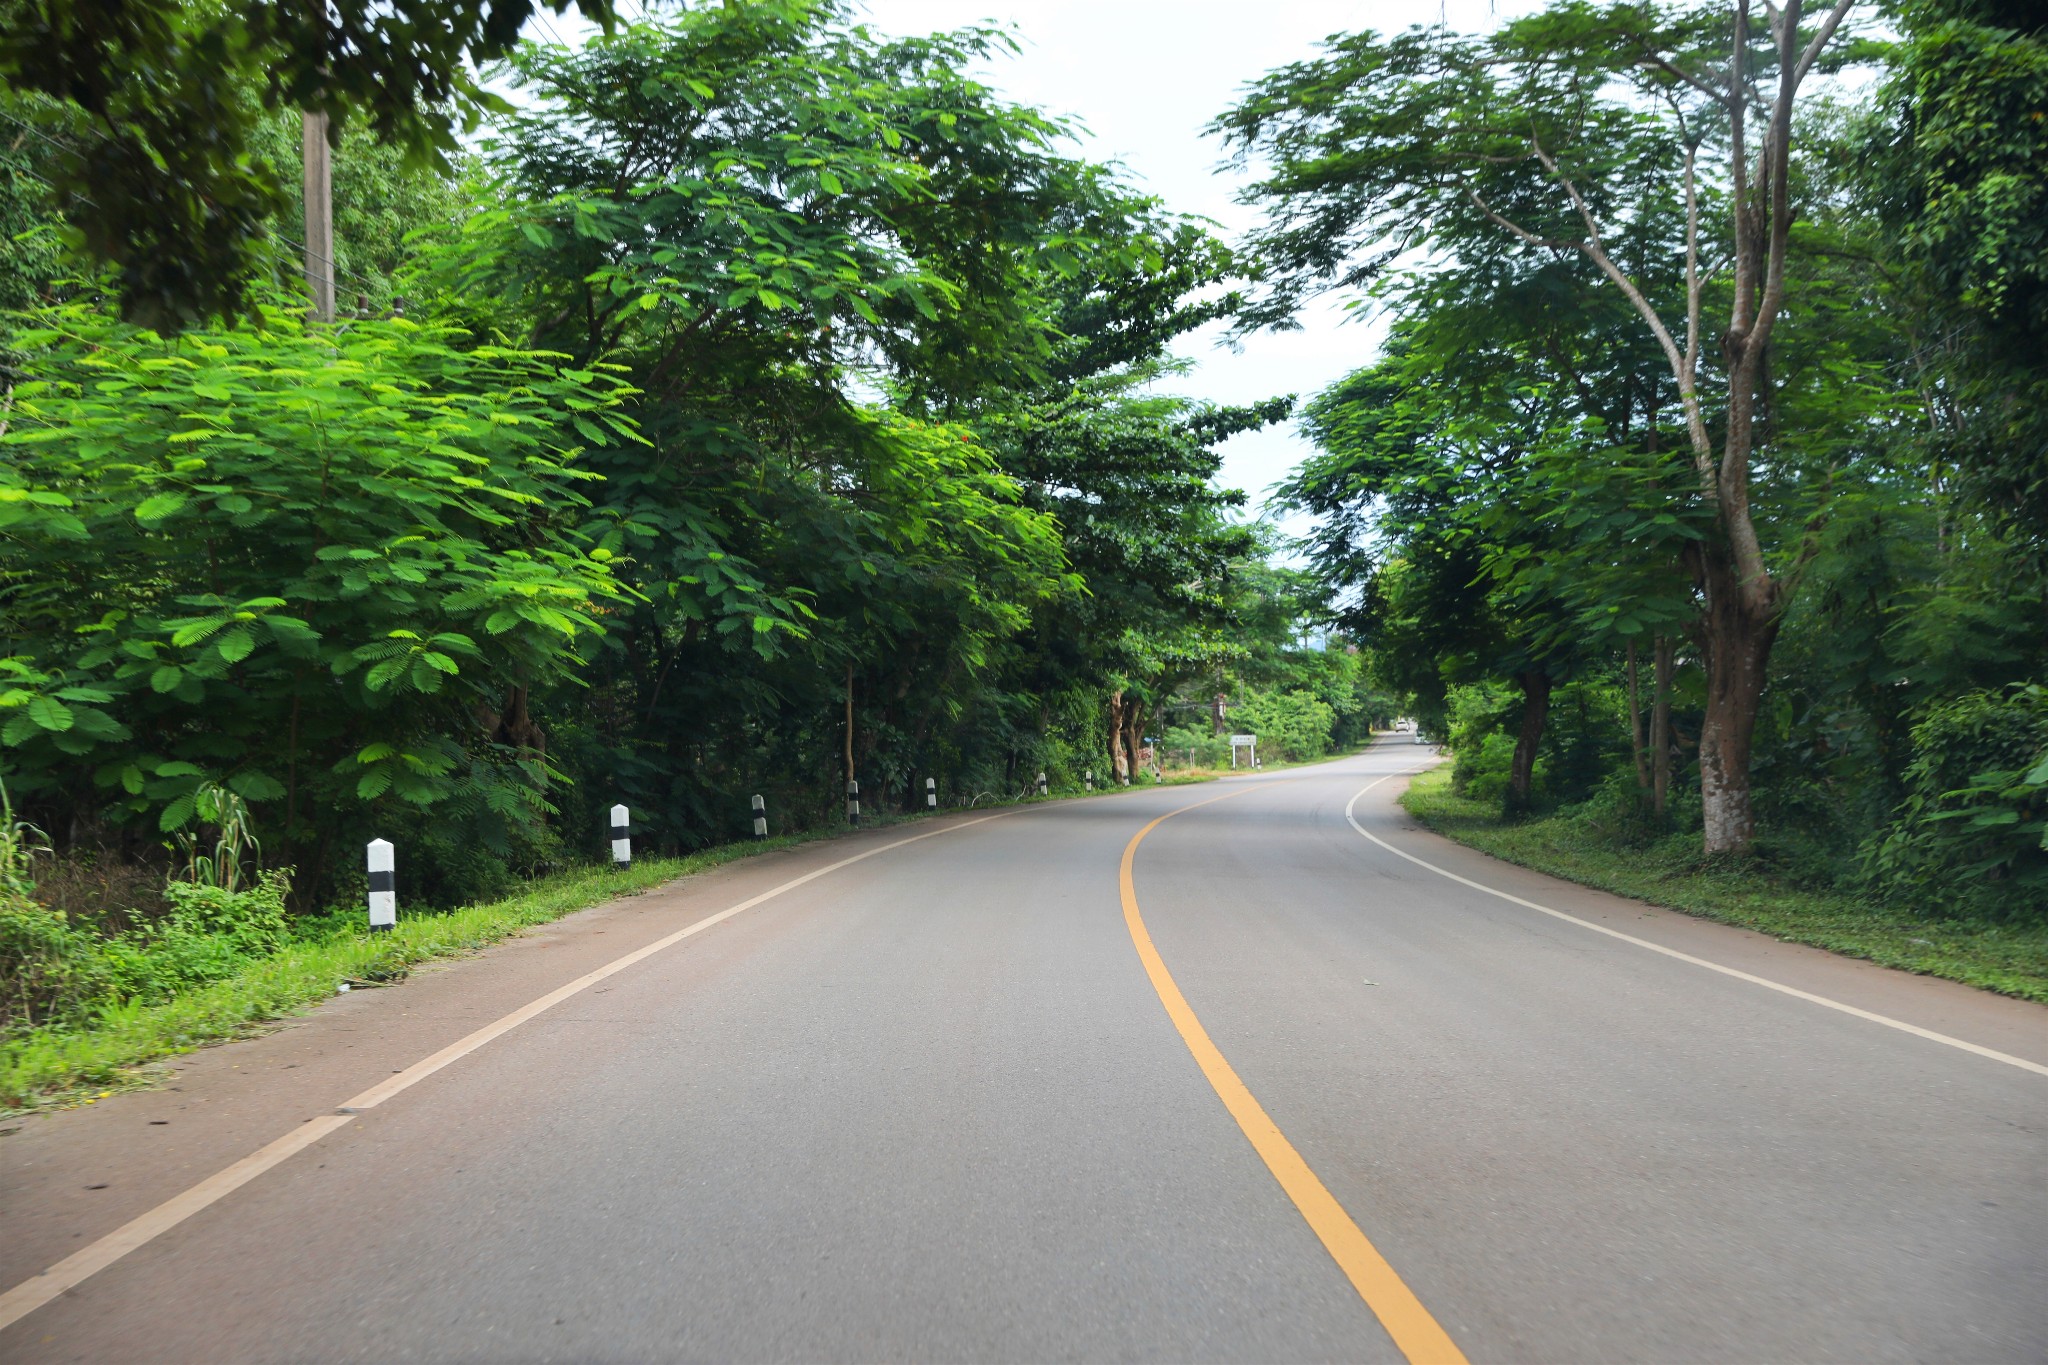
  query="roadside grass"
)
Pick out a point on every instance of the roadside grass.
point(46, 1067)
point(2006, 958)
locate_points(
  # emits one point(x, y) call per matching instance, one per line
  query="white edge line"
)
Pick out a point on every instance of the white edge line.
point(1793, 991)
point(31, 1294)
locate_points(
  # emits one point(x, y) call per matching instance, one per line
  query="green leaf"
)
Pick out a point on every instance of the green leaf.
point(254, 786)
point(50, 714)
point(237, 644)
point(177, 813)
point(159, 506)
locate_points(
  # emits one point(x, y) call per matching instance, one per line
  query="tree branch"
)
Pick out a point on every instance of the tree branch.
point(1658, 62)
point(1521, 233)
point(1701, 454)
point(1821, 39)
point(1596, 251)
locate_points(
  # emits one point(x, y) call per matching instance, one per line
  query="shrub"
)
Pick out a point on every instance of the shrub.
point(50, 972)
point(252, 920)
point(209, 933)
point(1971, 837)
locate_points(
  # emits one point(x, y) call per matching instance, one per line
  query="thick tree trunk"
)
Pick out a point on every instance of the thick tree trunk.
point(1535, 711)
point(1737, 636)
point(1119, 763)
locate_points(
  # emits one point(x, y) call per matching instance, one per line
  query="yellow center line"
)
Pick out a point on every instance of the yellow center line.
point(1416, 1334)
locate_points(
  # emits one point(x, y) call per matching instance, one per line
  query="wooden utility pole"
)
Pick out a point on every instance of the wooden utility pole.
point(319, 215)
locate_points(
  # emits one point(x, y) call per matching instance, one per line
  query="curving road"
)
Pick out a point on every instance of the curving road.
point(933, 1103)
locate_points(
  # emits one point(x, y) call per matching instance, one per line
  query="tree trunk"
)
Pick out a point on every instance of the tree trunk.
point(1635, 729)
point(849, 724)
point(1535, 711)
point(1134, 733)
point(1118, 763)
point(1737, 637)
point(514, 726)
point(1660, 725)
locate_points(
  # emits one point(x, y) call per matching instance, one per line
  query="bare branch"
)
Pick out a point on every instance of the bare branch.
point(1738, 158)
point(1596, 251)
point(1703, 459)
point(1660, 63)
point(1521, 233)
point(1821, 39)
point(1774, 177)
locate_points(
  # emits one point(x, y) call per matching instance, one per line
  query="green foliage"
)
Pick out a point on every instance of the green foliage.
point(28, 239)
point(159, 107)
point(1955, 167)
point(50, 971)
point(380, 201)
point(210, 933)
point(1972, 832)
point(291, 564)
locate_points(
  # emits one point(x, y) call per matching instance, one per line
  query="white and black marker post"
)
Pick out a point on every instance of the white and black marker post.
point(1042, 789)
point(622, 836)
point(931, 793)
point(1088, 779)
point(760, 817)
point(383, 888)
point(852, 802)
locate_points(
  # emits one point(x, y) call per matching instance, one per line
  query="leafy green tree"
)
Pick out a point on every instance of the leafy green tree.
point(1130, 477)
point(821, 256)
point(1568, 131)
point(811, 250)
point(1955, 171)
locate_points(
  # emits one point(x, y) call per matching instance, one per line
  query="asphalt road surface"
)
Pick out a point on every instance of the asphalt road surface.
point(1277, 1093)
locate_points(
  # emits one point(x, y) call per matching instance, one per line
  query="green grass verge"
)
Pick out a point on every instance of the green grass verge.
point(42, 1067)
point(2006, 958)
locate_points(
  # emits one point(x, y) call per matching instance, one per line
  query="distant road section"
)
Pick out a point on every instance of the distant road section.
point(964, 1092)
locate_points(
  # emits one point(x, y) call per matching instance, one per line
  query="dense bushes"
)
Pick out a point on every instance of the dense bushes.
point(1971, 835)
point(50, 972)
point(322, 571)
